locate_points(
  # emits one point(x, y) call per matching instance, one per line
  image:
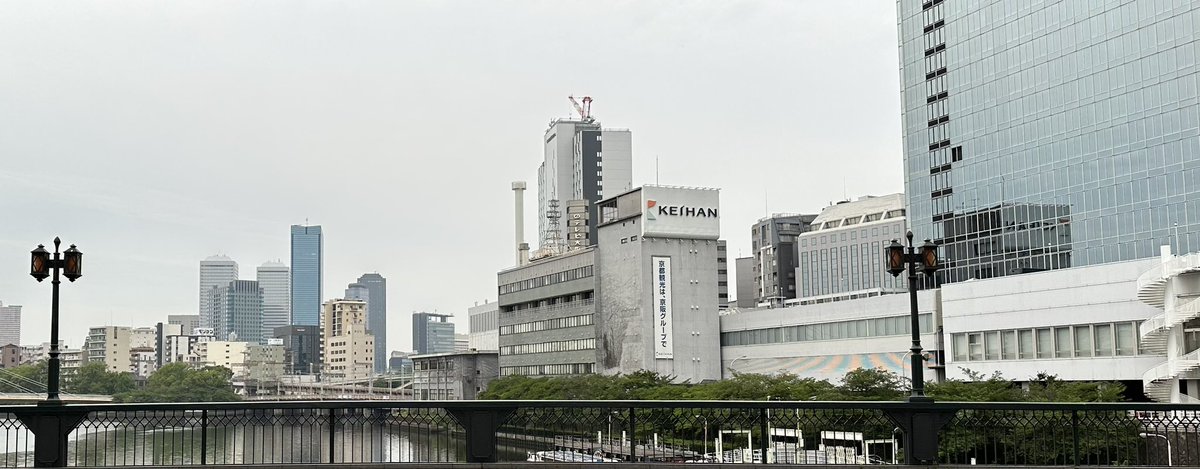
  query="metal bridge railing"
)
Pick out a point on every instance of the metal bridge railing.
point(817, 433)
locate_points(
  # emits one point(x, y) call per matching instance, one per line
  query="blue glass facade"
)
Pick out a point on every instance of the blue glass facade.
point(1043, 134)
point(307, 265)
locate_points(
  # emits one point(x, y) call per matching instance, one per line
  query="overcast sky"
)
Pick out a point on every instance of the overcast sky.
point(154, 134)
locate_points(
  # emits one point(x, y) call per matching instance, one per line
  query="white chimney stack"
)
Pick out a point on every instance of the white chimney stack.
point(518, 188)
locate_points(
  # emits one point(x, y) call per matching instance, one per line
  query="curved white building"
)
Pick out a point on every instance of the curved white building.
point(1174, 287)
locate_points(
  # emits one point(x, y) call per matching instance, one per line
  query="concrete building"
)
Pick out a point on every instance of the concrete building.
point(215, 273)
point(484, 326)
point(432, 333)
point(827, 340)
point(453, 376)
point(10, 356)
point(347, 349)
point(275, 280)
point(162, 333)
point(184, 347)
point(263, 364)
point(308, 261)
point(110, 345)
point(302, 349)
point(546, 318)
point(582, 161)
point(1049, 135)
point(1078, 324)
point(143, 350)
point(377, 315)
point(10, 324)
point(841, 255)
point(657, 262)
point(187, 322)
point(223, 353)
point(238, 311)
point(773, 242)
point(462, 342)
point(34, 353)
point(747, 290)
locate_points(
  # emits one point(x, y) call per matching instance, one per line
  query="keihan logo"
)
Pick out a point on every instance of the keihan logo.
point(677, 210)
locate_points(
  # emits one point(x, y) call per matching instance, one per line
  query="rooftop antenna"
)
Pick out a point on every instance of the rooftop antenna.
point(844, 196)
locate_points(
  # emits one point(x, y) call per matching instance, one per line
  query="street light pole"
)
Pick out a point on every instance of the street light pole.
point(899, 259)
point(70, 262)
point(1164, 437)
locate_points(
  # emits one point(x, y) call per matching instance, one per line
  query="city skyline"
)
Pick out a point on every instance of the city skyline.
point(272, 107)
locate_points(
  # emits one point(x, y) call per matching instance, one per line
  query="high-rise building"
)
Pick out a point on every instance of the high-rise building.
point(377, 315)
point(237, 312)
point(841, 256)
point(187, 322)
point(1047, 135)
point(302, 348)
point(347, 349)
point(275, 279)
point(10, 324)
point(307, 265)
point(746, 291)
point(215, 272)
point(773, 240)
point(432, 333)
point(582, 162)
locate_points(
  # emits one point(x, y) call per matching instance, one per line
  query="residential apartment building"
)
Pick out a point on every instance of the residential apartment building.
point(110, 345)
point(348, 350)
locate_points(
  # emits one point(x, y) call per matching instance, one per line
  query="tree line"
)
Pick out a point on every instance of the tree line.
point(174, 382)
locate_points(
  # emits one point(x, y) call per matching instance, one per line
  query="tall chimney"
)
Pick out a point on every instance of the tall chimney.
point(518, 188)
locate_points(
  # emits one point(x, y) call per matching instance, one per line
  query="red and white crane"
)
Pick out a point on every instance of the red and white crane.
point(585, 109)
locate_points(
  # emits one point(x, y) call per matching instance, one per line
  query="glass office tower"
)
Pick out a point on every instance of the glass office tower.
point(307, 263)
point(1043, 134)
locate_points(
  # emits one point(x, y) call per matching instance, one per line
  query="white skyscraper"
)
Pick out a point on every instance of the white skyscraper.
point(10, 325)
point(275, 279)
point(215, 272)
point(582, 162)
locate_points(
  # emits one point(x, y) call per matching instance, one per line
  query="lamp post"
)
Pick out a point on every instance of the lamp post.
point(70, 262)
point(898, 260)
point(1164, 437)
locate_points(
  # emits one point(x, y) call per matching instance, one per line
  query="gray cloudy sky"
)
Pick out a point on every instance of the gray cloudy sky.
point(154, 134)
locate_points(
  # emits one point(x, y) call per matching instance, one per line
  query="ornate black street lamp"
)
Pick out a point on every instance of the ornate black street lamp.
point(71, 265)
point(897, 261)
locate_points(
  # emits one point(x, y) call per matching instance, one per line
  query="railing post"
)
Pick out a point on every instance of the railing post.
point(50, 425)
point(480, 427)
point(632, 435)
point(763, 427)
point(203, 437)
point(332, 433)
point(1075, 435)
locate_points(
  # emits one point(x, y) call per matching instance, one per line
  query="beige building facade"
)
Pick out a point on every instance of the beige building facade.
point(347, 349)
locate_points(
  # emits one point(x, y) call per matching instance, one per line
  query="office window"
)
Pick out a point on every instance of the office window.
point(960, 347)
point(1083, 341)
point(1025, 349)
point(992, 346)
point(1062, 342)
point(1104, 340)
point(975, 344)
point(1008, 345)
point(1126, 341)
point(1045, 343)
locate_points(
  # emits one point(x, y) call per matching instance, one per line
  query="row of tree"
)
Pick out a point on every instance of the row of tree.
point(861, 384)
point(175, 382)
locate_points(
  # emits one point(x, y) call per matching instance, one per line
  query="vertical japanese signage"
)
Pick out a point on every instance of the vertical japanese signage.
point(661, 268)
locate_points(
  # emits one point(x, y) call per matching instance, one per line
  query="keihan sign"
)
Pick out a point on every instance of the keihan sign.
point(681, 212)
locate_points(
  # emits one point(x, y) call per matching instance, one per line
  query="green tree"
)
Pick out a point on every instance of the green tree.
point(976, 388)
point(94, 378)
point(178, 382)
point(871, 384)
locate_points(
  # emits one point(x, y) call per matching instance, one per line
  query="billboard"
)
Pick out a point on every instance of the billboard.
point(681, 212)
point(661, 269)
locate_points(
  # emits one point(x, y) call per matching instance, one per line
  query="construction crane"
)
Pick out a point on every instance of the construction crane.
point(585, 109)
